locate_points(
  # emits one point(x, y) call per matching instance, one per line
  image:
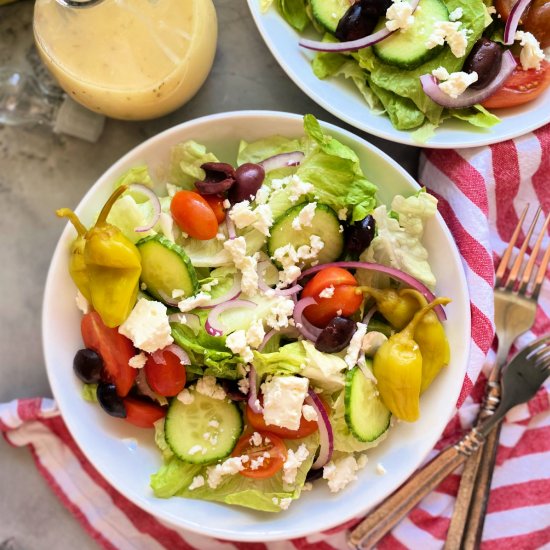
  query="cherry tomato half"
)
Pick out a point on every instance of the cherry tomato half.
point(216, 203)
point(535, 19)
point(256, 421)
point(522, 87)
point(344, 297)
point(261, 465)
point(142, 413)
point(193, 215)
point(167, 378)
point(115, 349)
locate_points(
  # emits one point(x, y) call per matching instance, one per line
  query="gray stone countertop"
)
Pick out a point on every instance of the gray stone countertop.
point(40, 171)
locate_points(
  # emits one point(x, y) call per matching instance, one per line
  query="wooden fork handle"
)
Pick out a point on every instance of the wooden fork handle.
point(393, 509)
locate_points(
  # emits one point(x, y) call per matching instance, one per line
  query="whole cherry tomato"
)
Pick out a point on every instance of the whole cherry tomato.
point(193, 215)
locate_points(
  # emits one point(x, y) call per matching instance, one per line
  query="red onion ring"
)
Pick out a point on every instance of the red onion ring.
point(253, 391)
point(213, 325)
point(351, 45)
point(231, 294)
point(151, 195)
point(168, 300)
point(272, 332)
point(144, 389)
point(158, 356)
point(326, 436)
point(369, 315)
point(469, 97)
point(266, 289)
point(513, 20)
point(282, 160)
point(302, 324)
point(401, 276)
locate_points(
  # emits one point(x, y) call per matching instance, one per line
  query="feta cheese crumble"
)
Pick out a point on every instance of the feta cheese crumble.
point(198, 481)
point(138, 361)
point(261, 218)
point(207, 386)
point(531, 53)
point(255, 439)
point(207, 287)
point(380, 470)
point(244, 385)
point(309, 413)
point(399, 16)
point(148, 326)
point(327, 292)
point(293, 461)
point(354, 348)
point(280, 313)
point(186, 397)
point(199, 300)
point(247, 265)
point(236, 342)
point(195, 449)
point(343, 214)
point(456, 14)
point(305, 217)
point(228, 467)
point(298, 187)
point(454, 84)
point(340, 472)
point(283, 400)
point(450, 32)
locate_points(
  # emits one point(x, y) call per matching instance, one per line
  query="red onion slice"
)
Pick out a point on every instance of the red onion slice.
point(168, 300)
point(231, 294)
point(307, 330)
point(513, 20)
point(266, 289)
point(326, 437)
point(401, 276)
point(213, 324)
point(158, 356)
point(154, 200)
point(253, 401)
point(282, 160)
point(351, 45)
point(369, 315)
point(144, 389)
point(470, 97)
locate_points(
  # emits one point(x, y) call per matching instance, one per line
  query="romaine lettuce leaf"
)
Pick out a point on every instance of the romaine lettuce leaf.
point(185, 163)
point(294, 12)
point(262, 149)
point(127, 214)
point(136, 174)
point(477, 116)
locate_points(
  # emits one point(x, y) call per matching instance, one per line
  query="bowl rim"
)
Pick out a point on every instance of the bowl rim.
point(394, 135)
point(180, 522)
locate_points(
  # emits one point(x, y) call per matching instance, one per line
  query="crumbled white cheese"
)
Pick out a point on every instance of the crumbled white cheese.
point(309, 413)
point(262, 195)
point(81, 303)
point(138, 361)
point(399, 15)
point(280, 313)
point(207, 386)
point(339, 312)
point(198, 481)
point(195, 449)
point(207, 287)
point(372, 341)
point(450, 32)
point(354, 348)
point(293, 461)
point(236, 342)
point(491, 10)
point(286, 255)
point(305, 217)
point(258, 462)
point(244, 385)
point(283, 400)
point(380, 470)
point(255, 439)
point(247, 265)
point(307, 486)
point(148, 326)
point(362, 461)
point(264, 219)
point(220, 237)
point(226, 204)
point(186, 397)
point(454, 84)
point(456, 14)
point(340, 472)
point(214, 423)
point(255, 334)
point(327, 292)
point(531, 53)
point(343, 214)
point(297, 187)
point(228, 467)
point(242, 214)
point(199, 300)
point(178, 293)
point(284, 503)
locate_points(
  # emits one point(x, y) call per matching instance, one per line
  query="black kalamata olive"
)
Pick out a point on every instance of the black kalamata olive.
point(376, 8)
point(359, 235)
point(110, 401)
point(232, 390)
point(336, 335)
point(249, 178)
point(87, 365)
point(485, 59)
point(355, 24)
point(313, 475)
point(219, 177)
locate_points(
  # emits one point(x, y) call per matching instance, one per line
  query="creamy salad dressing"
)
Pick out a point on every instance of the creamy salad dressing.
point(129, 59)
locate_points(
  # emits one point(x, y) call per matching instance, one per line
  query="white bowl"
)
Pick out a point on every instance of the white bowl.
point(102, 438)
point(340, 96)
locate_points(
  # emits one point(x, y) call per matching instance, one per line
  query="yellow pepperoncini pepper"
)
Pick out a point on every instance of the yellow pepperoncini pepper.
point(432, 341)
point(105, 265)
point(397, 367)
point(396, 307)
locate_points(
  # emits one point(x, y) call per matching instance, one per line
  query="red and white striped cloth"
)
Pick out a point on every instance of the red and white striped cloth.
point(481, 193)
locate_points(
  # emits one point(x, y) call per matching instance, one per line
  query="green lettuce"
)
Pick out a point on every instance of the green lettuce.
point(185, 163)
point(175, 476)
point(127, 214)
point(89, 393)
point(137, 174)
point(262, 149)
point(294, 13)
point(477, 116)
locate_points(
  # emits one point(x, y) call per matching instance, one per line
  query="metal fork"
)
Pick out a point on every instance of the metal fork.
point(515, 295)
point(520, 380)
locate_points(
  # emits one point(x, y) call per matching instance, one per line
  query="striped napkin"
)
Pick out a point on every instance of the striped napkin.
point(481, 193)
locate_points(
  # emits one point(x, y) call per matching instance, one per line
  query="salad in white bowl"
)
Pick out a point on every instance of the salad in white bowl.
point(422, 62)
point(269, 319)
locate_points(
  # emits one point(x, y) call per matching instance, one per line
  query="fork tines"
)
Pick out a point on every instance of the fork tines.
point(519, 272)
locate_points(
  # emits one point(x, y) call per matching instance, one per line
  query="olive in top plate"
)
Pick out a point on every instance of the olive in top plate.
point(485, 59)
point(336, 335)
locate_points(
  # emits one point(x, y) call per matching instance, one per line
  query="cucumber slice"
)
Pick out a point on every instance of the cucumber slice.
point(186, 425)
point(407, 49)
point(325, 224)
point(366, 415)
point(329, 12)
point(165, 267)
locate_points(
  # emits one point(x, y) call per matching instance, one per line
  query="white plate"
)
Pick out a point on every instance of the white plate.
point(101, 437)
point(340, 96)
